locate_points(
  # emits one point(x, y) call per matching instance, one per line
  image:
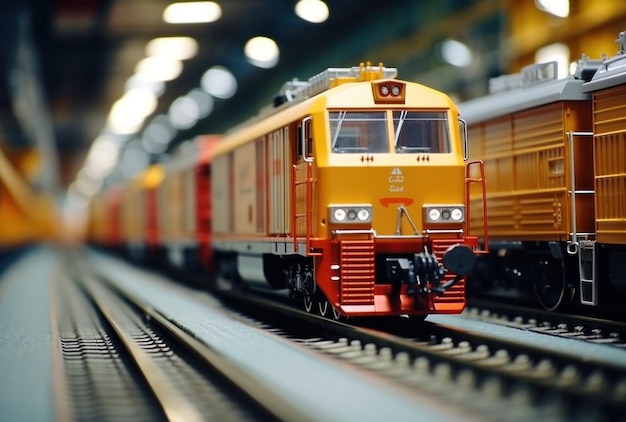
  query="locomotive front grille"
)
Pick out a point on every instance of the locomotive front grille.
point(357, 272)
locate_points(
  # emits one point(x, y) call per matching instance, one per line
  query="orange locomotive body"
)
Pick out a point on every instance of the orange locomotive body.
point(551, 149)
point(350, 193)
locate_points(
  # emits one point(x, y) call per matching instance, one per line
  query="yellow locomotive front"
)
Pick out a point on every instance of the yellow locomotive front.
point(349, 191)
point(380, 199)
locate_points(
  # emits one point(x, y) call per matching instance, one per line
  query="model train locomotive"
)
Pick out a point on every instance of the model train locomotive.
point(554, 152)
point(350, 191)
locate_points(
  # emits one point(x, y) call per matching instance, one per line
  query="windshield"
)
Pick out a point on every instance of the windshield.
point(421, 132)
point(366, 132)
point(359, 132)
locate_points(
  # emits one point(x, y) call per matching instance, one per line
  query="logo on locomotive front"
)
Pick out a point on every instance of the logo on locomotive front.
point(396, 180)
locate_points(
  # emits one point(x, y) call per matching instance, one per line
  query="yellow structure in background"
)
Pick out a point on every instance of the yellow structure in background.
point(589, 29)
point(26, 216)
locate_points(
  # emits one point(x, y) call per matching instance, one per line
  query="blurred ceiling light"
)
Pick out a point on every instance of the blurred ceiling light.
point(192, 12)
point(262, 52)
point(559, 8)
point(174, 48)
point(314, 11)
point(87, 183)
point(103, 154)
point(219, 82)
point(138, 82)
point(76, 199)
point(163, 121)
point(128, 113)
point(133, 159)
point(158, 69)
point(154, 142)
point(183, 113)
point(203, 100)
point(557, 52)
point(456, 53)
point(158, 134)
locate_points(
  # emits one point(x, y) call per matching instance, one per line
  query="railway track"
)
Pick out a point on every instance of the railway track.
point(124, 362)
point(283, 380)
point(594, 328)
point(484, 372)
point(475, 374)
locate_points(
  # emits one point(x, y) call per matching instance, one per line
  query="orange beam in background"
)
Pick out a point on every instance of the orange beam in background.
point(26, 216)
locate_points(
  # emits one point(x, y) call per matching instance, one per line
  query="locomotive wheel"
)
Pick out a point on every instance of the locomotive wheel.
point(323, 307)
point(335, 314)
point(307, 301)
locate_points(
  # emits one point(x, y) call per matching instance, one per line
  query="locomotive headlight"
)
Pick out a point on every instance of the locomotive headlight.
point(363, 214)
point(444, 213)
point(434, 214)
point(339, 214)
point(389, 91)
point(456, 214)
point(350, 214)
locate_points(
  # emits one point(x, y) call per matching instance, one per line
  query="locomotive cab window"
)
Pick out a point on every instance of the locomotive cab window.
point(304, 143)
point(421, 132)
point(359, 132)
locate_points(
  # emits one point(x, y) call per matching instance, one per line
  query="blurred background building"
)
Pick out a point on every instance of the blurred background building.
point(92, 91)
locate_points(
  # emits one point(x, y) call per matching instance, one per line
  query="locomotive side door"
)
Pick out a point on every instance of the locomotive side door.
point(279, 162)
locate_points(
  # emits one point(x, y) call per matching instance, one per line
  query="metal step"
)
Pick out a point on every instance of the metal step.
point(587, 267)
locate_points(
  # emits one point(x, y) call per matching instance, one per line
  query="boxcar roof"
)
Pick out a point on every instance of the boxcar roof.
point(611, 73)
point(522, 98)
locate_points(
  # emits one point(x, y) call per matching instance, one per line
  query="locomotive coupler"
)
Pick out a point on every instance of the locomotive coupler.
point(399, 270)
point(428, 272)
point(423, 273)
point(420, 272)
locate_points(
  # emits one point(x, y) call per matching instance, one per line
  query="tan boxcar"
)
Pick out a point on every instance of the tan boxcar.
point(609, 128)
point(555, 159)
point(606, 256)
point(535, 140)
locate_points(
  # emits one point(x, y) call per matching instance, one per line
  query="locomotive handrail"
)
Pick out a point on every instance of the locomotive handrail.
point(441, 231)
point(308, 229)
point(340, 232)
point(572, 244)
point(468, 181)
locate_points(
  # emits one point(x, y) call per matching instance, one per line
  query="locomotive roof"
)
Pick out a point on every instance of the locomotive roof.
point(612, 72)
point(531, 88)
point(296, 91)
point(343, 95)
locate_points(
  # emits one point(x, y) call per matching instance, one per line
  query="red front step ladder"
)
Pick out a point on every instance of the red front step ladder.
point(468, 181)
point(357, 272)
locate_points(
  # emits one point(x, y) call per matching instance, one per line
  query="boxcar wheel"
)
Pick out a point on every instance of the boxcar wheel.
point(551, 287)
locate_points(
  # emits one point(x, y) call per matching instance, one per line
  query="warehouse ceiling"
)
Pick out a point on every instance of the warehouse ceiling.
point(66, 62)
